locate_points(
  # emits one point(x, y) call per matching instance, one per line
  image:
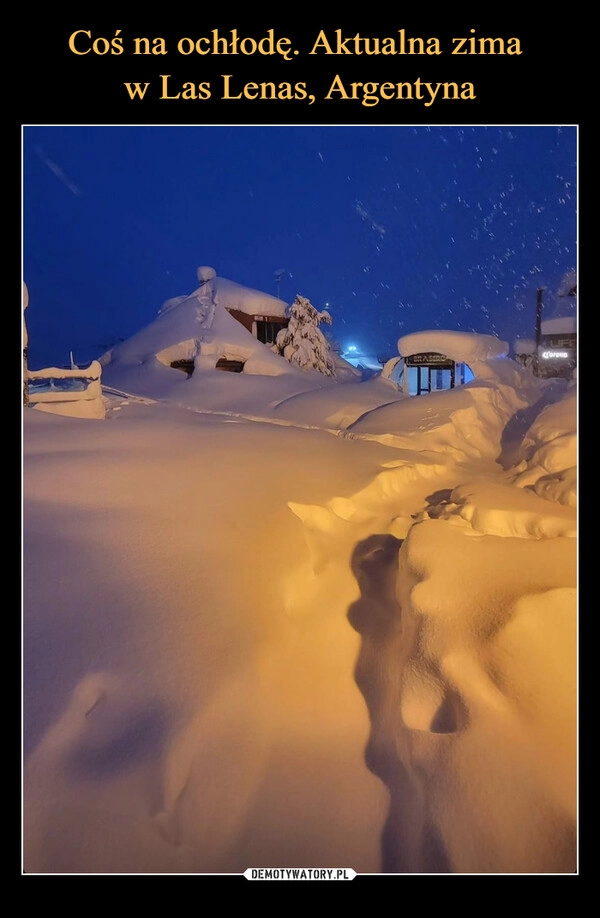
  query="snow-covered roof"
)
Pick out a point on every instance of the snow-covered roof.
point(524, 346)
point(230, 295)
point(462, 347)
point(566, 325)
point(253, 302)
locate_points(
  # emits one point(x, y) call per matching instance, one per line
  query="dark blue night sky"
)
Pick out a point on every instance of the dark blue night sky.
point(397, 229)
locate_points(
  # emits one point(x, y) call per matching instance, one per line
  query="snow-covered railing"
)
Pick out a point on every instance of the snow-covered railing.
point(65, 385)
point(56, 389)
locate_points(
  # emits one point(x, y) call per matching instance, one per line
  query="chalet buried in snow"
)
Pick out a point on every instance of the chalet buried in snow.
point(223, 325)
point(220, 325)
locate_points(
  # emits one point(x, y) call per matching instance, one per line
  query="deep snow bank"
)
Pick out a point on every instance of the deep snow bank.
point(468, 622)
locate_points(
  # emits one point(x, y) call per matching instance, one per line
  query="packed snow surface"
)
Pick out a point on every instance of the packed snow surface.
point(275, 620)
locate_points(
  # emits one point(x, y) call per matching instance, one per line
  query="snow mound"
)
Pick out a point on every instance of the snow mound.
point(502, 510)
point(205, 273)
point(549, 449)
point(516, 628)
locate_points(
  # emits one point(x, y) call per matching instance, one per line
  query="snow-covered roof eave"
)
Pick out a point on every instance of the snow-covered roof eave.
point(462, 347)
point(234, 296)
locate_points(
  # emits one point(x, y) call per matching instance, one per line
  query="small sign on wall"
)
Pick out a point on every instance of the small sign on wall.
point(430, 359)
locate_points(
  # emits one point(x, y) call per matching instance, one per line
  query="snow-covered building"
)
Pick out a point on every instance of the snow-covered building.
point(431, 361)
point(556, 334)
point(557, 347)
point(221, 325)
point(554, 355)
point(204, 330)
point(260, 313)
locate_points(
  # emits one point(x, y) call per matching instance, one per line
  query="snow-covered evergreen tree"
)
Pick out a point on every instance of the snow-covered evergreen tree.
point(302, 342)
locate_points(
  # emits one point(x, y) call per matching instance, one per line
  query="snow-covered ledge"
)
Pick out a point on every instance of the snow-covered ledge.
point(80, 403)
point(462, 347)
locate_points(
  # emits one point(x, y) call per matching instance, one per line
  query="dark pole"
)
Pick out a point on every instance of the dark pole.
point(278, 275)
point(538, 317)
